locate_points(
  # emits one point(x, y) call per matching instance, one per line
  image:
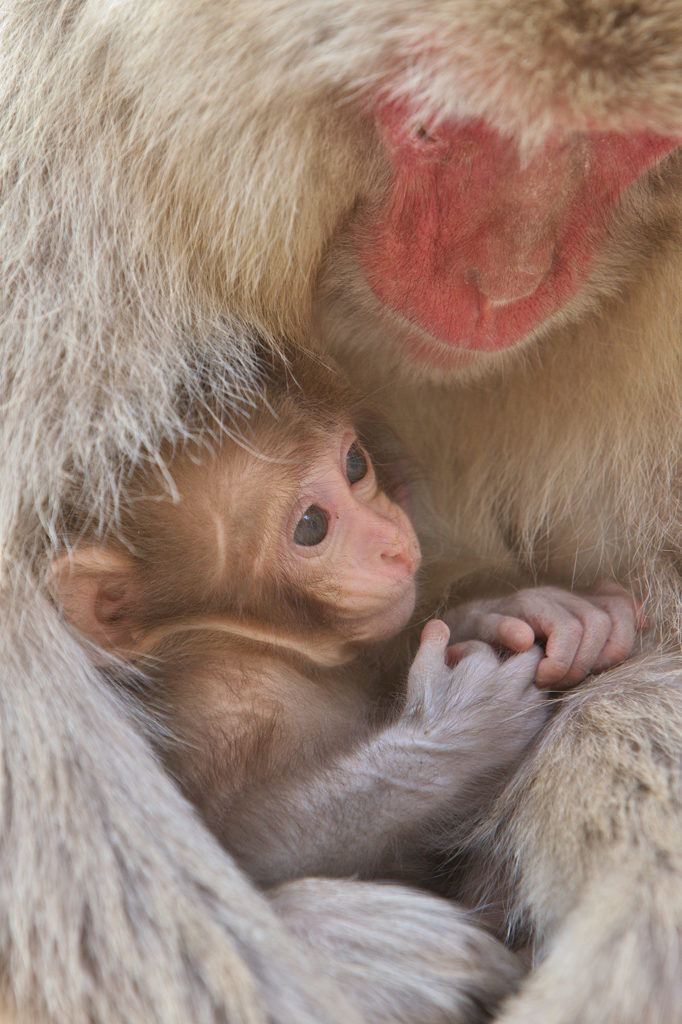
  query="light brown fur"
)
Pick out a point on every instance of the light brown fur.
point(276, 670)
point(172, 177)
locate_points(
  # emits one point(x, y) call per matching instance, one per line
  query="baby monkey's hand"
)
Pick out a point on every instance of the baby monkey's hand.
point(582, 633)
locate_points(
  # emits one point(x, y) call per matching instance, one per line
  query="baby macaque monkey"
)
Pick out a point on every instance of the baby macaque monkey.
point(261, 605)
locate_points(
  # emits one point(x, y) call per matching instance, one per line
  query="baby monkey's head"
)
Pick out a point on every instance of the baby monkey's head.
point(284, 524)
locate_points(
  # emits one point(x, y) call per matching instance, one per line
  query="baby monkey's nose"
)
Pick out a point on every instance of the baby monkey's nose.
point(402, 551)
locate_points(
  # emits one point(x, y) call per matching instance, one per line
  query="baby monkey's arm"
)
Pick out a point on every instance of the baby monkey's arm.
point(582, 633)
point(371, 809)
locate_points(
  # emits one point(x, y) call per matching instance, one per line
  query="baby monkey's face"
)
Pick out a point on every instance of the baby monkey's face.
point(346, 532)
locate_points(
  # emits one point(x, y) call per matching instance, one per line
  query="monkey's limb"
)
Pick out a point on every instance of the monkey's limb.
point(325, 913)
point(367, 812)
point(593, 825)
point(617, 957)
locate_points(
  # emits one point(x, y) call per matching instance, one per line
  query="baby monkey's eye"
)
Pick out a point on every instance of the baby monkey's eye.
point(356, 463)
point(311, 528)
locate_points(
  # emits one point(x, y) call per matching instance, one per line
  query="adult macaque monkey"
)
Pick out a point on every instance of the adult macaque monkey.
point(485, 188)
point(259, 605)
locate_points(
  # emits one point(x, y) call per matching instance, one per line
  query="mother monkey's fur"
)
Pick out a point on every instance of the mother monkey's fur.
point(179, 178)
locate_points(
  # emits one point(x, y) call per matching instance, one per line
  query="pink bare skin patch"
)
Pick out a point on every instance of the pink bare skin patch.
point(477, 246)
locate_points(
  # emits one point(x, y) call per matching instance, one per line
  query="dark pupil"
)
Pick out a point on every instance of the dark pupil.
point(356, 463)
point(311, 528)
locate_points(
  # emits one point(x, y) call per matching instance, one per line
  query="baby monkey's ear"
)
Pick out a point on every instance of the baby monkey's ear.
point(99, 593)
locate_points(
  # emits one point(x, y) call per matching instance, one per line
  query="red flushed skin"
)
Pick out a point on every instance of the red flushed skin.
point(477, 246)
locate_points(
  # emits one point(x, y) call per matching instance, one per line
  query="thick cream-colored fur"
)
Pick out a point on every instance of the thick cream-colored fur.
point(175, 179)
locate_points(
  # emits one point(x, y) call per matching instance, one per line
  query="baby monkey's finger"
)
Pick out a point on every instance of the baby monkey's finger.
point(597, 628)
point(432, 645)
point(626, 618)
point(429, 661)
point(508, 631)
point(482, 652)
point(564, 638)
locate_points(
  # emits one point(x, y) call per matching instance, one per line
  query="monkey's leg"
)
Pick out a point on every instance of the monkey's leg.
point(617, 958)
point(594, 824)
point(404, 954)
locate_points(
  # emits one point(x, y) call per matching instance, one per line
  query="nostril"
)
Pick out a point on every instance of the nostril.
point(397, 545)
point(400, 557)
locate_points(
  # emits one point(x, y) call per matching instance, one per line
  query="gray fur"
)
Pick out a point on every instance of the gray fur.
point(171, 176)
